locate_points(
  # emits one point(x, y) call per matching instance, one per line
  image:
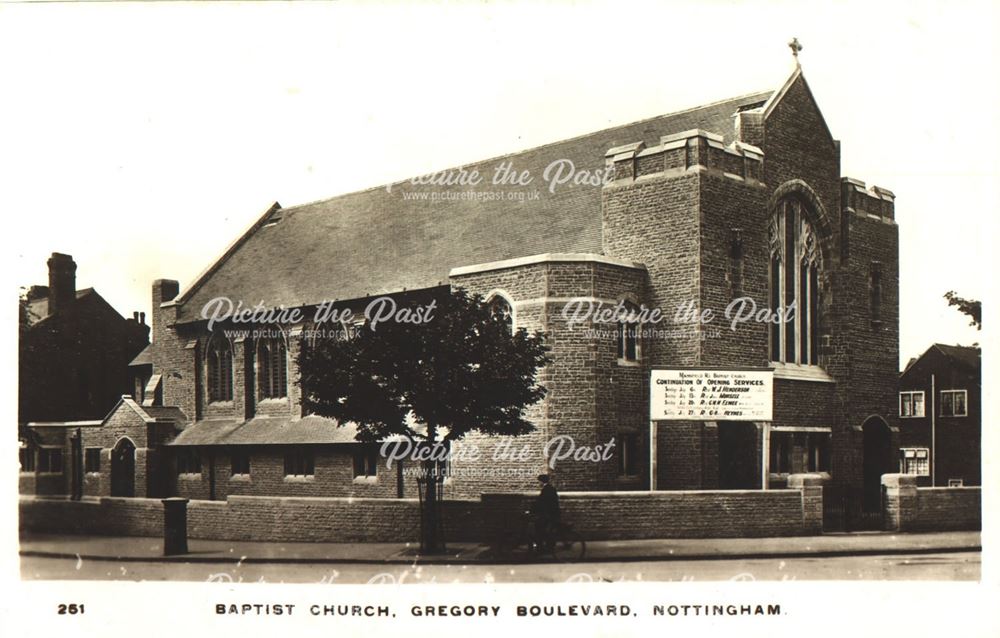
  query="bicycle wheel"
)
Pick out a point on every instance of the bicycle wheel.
point(569, 546)
point(513, 547)
point(503, 547)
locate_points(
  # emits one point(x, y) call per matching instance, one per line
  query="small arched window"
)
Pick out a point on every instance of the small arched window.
point(219, 361)
point(272, 368)
point(627, 333)
point(501, 311)
point(794, 284)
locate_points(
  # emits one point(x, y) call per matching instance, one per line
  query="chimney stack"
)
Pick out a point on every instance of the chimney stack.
point(62, 282)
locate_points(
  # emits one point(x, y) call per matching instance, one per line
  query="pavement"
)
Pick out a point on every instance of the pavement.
point(149, 549)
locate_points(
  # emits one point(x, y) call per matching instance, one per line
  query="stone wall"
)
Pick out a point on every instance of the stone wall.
point(681, 514)
point(912, 509)
point(596, 515)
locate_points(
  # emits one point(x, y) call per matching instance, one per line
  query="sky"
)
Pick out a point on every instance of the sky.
point(144, 138)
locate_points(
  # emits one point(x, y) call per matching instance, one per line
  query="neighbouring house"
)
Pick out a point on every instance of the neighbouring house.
point(74, 353)
point(741, 198)
point(940, 417)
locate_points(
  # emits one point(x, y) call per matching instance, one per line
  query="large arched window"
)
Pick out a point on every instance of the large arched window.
point(219, 361)
point(501, 311)
point(794, 279)
point(272, 368)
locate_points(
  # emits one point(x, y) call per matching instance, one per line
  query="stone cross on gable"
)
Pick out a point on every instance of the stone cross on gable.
point(795, 47)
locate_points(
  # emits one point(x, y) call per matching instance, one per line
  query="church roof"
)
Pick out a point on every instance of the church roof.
point(266, 430)
point(383, 240)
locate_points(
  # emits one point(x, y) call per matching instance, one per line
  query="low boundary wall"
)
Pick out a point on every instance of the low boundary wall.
point(684, 514)
point(909, 508)
point(596, 515)
point(252, 518)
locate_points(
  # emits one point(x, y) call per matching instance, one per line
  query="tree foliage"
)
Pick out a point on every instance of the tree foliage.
point(462, 371)
point(970, 307)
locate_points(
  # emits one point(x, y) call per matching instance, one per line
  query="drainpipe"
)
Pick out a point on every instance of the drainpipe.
point(933, 434)
point(652, 455)
point(211, 474)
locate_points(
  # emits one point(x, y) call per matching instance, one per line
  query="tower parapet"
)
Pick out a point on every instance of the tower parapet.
point(689, 150)
point(874, 201)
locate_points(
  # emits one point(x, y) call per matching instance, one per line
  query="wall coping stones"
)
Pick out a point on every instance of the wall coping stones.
point(807, 480)
point(899, 480)
point(545, 258)
point(639, 493)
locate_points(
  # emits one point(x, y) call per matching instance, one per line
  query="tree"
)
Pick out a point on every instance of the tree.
point(970, 307)
point(460, 371)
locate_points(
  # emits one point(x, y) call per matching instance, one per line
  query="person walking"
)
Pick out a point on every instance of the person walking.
point(546, 511)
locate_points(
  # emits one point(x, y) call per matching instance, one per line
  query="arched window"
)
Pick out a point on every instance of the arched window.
point(272, 368)
point(219, 360)
point(628, 333)
point(794, 279)
point(501, 311)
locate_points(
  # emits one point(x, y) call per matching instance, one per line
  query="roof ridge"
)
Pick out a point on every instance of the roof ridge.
point(393, 184)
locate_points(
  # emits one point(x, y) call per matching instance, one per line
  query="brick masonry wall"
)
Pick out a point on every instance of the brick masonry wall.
point(280, 519)
point(333, 477)
point(802, 158)
point(728, 205)
point(636, 515)
point(171, 358)
point(874, 344)
point(948, 508)
point(596, 515)
point(123, 423)
point(655, 222)
point(591, 395)
point(526, 287)
point(106, 516)
point(908, 508)
point(38, 482)
point(799, 153)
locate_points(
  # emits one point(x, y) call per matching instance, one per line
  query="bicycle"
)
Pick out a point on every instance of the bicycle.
point(566, 545)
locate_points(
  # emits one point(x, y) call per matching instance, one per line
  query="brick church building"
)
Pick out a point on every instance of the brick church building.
point(742, 198)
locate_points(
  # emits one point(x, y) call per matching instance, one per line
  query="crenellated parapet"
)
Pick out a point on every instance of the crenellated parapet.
point(874, 201)
point(690, 150)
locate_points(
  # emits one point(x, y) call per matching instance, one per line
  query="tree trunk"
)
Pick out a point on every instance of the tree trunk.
point(431, 541)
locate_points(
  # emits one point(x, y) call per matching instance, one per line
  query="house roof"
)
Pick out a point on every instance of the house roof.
point(144, 358)
point(963, 355)
point(388, 239)
point(266, 430)
point(39, 308)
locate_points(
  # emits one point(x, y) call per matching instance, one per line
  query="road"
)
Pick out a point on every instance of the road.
point(946, 566)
